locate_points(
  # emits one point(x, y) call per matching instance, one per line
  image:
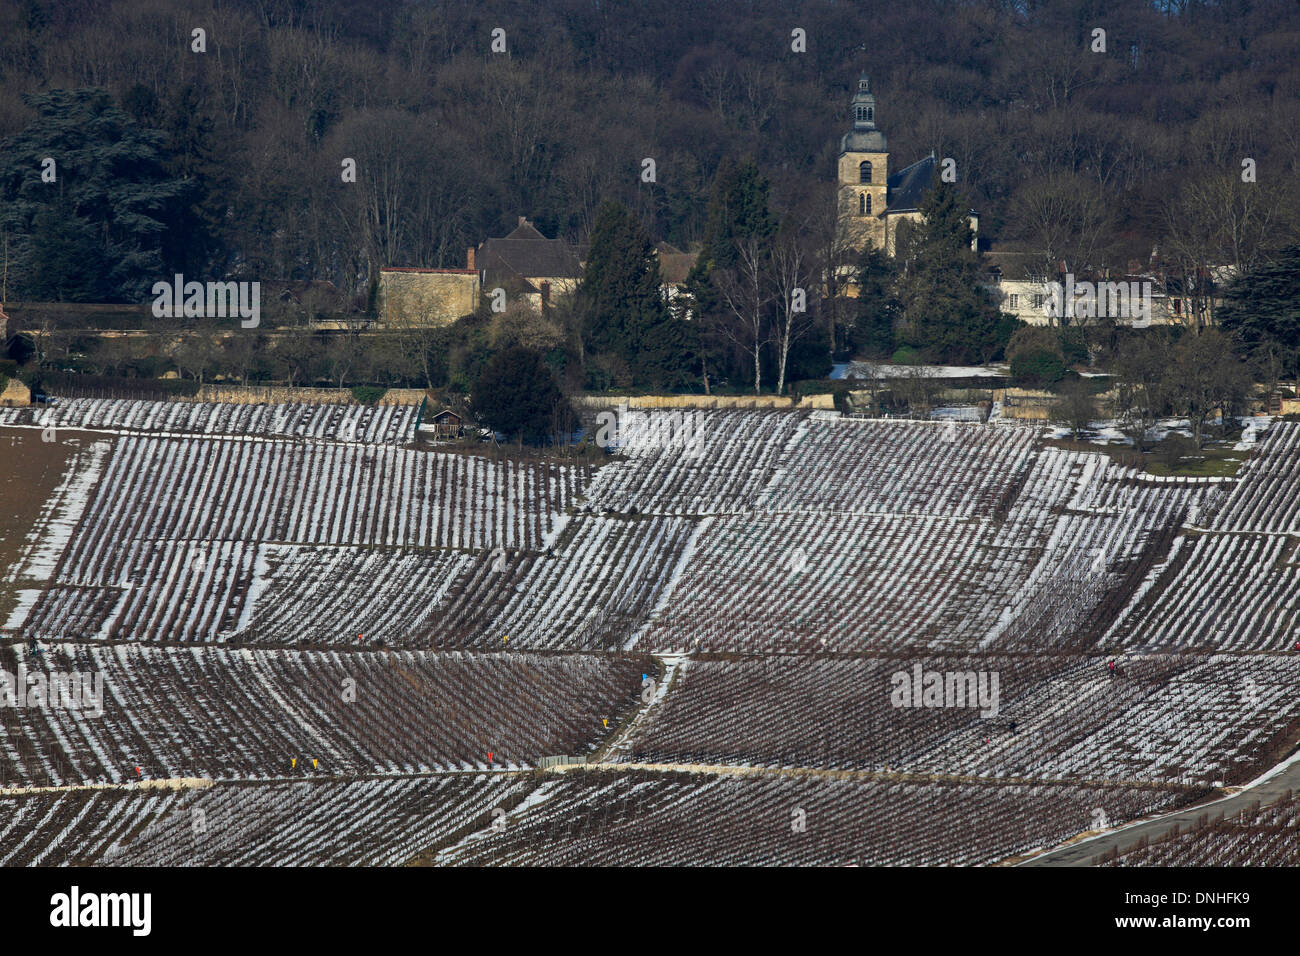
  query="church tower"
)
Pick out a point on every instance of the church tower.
point(863, 174)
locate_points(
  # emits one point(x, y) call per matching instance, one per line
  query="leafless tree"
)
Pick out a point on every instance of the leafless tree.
point(792, 282)
point(1076, 407)
point(746, 293)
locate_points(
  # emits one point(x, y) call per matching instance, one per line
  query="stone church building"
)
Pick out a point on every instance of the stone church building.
point(872, 201)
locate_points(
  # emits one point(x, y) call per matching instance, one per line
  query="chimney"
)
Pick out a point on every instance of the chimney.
point(469, 258)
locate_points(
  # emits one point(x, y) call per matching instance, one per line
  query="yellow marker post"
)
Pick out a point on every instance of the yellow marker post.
point(313, 763)
point(605, 721)
point(293, 764)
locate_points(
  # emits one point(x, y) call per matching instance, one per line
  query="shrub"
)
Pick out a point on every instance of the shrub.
point(906, 356)
point(1034, 339)
point(1037, 368)
point(1074, 345)
point(368, 394)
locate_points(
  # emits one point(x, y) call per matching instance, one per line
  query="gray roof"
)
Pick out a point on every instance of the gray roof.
point(526, 252)
point(863, 141)
point(908, 185)
point(1015, 266)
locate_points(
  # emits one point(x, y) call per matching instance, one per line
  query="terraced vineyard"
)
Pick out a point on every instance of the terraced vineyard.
point(362, 648)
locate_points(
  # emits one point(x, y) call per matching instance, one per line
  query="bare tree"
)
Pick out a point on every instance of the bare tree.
point(1215, 221)
point(1068, 222)
point(1204, 375)
point(1142, 385)
point(792, 282)
point(194, 353)
point(1076, 407)
point(746, 293)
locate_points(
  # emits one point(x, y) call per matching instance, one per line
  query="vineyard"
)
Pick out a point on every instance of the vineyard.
point(661, 819)
point(390, 424)
point(363, 646)
point(1259, 836)
point(367, 822)
point(253, 714)
point(1187, 720)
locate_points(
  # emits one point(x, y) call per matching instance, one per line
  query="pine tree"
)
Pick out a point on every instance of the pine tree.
point(877, 306)
point(516, 394)
point(621, 306)
point(948, 315)
point(738, 237)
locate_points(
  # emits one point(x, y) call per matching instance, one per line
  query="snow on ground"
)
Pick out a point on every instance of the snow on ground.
point(864, 370)
point(1106, 431)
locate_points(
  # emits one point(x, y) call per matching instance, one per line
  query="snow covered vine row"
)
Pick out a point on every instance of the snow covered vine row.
point(381, 424)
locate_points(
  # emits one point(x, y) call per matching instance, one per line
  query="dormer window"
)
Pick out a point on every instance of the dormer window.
point(864, 172)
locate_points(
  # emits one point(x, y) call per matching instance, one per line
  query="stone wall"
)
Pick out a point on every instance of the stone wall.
point(278, 395)
point(426, 296)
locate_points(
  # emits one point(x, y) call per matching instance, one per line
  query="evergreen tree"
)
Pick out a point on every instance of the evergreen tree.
point(621, 305)
point(738, 212)
point(738, 209)
point(1261, 308)
point(948, 314)
point(872, 335)
point(194, 222)
point(95, 232)
point(516, 394)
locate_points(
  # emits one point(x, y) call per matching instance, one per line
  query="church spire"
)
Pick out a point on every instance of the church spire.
point(864, 105)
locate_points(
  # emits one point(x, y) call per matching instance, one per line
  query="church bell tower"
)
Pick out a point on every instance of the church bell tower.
point(863, 172)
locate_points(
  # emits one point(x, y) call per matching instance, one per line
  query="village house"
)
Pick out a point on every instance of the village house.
point(674, 267)
point(526, 263)
point(1021, 287)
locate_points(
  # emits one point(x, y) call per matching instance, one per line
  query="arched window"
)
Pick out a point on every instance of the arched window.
point(864, 172)
point(871, 115)
point(860, 114)
point(864, 205)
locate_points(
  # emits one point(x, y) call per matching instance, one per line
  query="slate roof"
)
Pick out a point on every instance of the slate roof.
point(1015, 266)
point(526, 252)
point(908, 185)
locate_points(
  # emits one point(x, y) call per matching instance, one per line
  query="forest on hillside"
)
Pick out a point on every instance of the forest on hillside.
point(229, 159)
